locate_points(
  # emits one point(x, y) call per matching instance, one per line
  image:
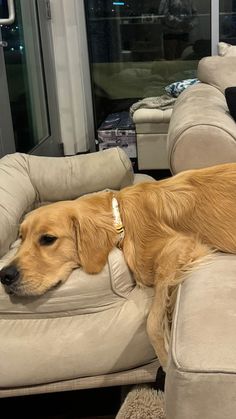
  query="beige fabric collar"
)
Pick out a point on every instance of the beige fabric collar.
point(117, 221)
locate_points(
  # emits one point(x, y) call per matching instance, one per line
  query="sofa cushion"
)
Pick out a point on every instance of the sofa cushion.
point(152, 121)
point(201, 131)
point(91, 325)
point(26, 181)
point(217, 71)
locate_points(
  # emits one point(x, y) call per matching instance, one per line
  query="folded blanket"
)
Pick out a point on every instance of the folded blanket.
point(159, 102)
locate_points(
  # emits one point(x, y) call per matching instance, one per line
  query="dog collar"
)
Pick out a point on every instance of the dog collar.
point(117, 221)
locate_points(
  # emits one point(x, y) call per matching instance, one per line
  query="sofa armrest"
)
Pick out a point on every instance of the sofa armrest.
point(201, 132)
point(201, 375)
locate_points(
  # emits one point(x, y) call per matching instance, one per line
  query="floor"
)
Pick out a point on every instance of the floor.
point(101, 403)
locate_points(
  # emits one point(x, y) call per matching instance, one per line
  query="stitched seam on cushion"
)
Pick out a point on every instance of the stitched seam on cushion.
point(174, 346)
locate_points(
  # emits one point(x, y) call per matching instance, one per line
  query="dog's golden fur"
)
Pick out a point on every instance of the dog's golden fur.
point(170, 225)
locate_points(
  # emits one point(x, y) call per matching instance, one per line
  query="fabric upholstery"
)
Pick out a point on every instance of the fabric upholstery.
point(151, 128)
point(143, 374)
point(202, 132)
point(92, 325)
point(201, 374)
point(89, 326)
point(26, 181)
point(201, 378)
point(151, 117)
point(217, 71)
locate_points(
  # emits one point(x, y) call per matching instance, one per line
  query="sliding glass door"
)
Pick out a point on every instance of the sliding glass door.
point(28, 122)
point(137, 48)
point(227, 21)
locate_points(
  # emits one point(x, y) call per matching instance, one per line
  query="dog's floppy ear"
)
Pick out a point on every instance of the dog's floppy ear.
point(95, 235)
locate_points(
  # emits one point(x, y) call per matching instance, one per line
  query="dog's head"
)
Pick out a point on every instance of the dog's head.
point(58, 238)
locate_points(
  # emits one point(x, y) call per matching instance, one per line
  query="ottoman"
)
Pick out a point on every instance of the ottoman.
point(151, 129)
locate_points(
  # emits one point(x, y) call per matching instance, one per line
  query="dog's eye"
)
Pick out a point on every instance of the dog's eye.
point(47, 239)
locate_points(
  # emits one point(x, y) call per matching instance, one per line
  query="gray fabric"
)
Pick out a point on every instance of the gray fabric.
point(159, 102)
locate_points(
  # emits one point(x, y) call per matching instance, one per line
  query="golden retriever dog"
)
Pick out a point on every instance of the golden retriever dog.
point(164, 229)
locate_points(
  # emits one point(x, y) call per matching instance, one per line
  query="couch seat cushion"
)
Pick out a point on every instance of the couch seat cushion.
point(151, 121)
point(91, 325)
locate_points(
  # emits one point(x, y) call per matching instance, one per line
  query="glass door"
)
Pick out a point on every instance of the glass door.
point(29, 121)
point(137, 48)
point(227, 24)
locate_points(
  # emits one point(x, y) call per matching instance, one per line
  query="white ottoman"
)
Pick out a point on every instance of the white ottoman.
point(151, 129)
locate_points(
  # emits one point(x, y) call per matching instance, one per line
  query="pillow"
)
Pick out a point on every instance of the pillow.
point(226, 49)
point(230, 96)
point(174, 89)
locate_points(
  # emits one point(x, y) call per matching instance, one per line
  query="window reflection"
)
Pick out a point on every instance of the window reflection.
point(228, 21)
point(137, 47)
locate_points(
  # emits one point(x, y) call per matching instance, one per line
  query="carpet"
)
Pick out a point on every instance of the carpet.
point(143, 401)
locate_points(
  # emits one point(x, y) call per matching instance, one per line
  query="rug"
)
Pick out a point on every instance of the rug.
point(143, 402)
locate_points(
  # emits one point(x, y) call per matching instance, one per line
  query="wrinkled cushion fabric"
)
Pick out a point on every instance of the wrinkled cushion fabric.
point(91, 325)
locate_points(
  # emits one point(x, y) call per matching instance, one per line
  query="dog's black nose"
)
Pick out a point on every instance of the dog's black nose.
point(9, 275)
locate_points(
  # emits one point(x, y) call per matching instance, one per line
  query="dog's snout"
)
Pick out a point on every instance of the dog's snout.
point(9, 275)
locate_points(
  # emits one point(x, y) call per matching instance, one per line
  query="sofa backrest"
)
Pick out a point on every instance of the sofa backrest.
point(26, 181)
point(218, 71)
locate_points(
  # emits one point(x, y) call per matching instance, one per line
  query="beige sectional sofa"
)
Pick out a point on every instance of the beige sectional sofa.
point(91, 331)
point(201, 374)
point(202, 131)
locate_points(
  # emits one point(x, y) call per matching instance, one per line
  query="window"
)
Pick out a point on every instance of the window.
point(137, 48)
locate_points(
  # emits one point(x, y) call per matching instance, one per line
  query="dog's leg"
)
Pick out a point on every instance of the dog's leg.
point(178, 256)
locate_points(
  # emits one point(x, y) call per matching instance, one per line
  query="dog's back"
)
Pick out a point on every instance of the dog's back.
point(201, 201)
